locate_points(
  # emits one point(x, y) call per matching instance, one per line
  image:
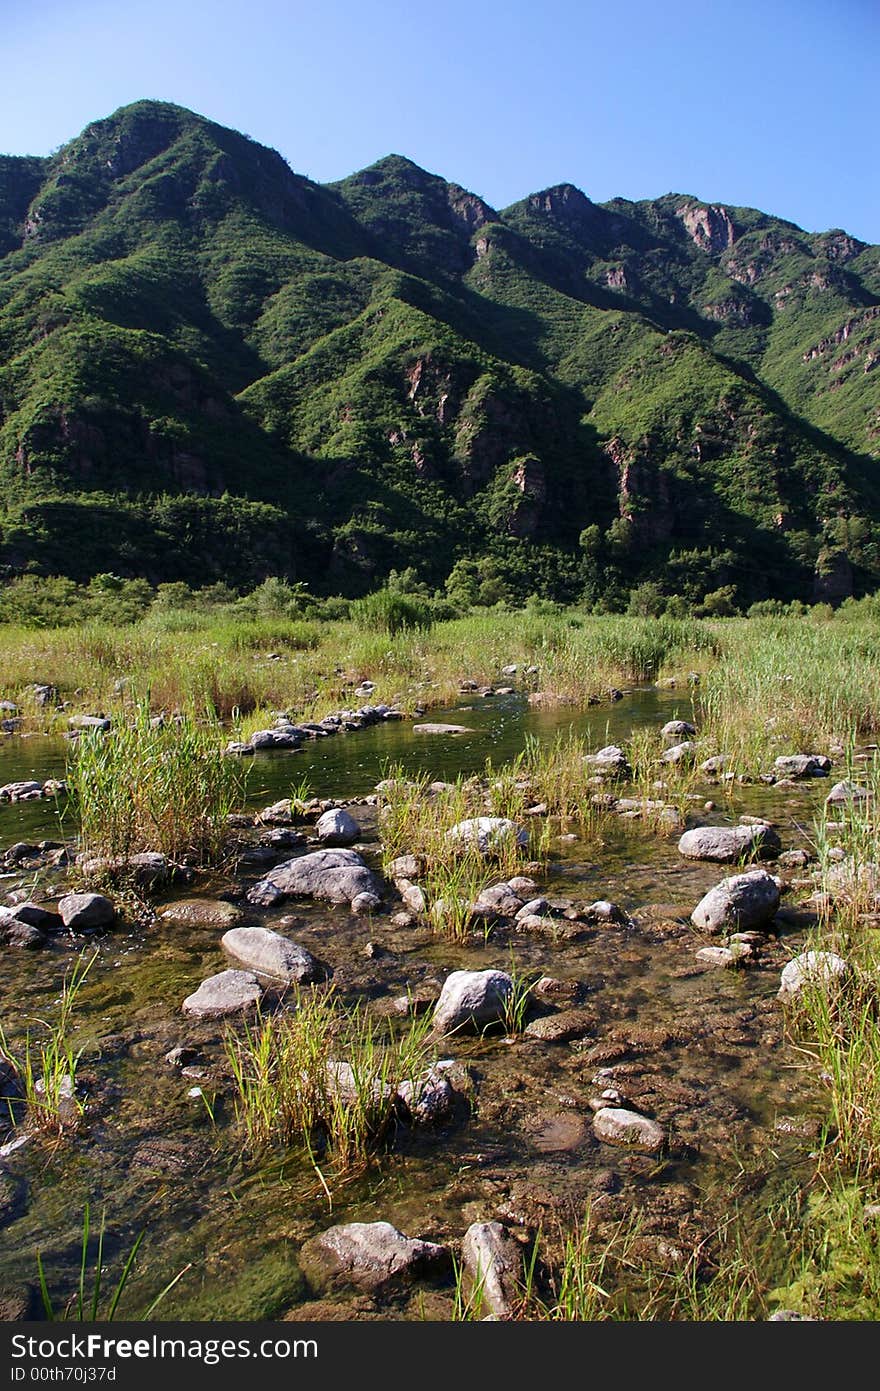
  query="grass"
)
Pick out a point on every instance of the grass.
point(325, 1079)
point(166, 788)
point(85, 1304)
point(45, 1067)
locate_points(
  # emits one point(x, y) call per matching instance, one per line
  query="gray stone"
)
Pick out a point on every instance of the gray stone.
point(727, 844)
point(269, 954)
point(404, 867)
point(493, 1260)
point(371, 1256)
point(365, 903)
point(680, 753)
point(337, 827)
point(81, 911)
point(337, 875)
point(677, 729)
point(472, 999)
point(229, 992)
point(488, 833)
point(31, 915)
point(610, 762)
point(21, 791)
point(496, 901)
point(802, 765)
point(212, 913)
point(564, 1027)
point(823, 969)
point(736, 904)
point(713, 767)
point(617, 1126)
point(441, 729)
point(840, 794)
point(86, 722)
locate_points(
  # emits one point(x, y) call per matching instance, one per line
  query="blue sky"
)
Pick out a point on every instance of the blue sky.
point(767, 104)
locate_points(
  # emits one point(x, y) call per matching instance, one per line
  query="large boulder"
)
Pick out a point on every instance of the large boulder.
point(727, 844)
point(823, 969)
point(337, 827)
point(211, 913)
point(617, 1126)
point(610, 762)
point(338, 875)
point(82, 911)
point(269, 954)
point(372, 1256)
point(743, 901)
point(802, 765)
point(229, 992)
point(493, 1260)
point(472, 999)
point(488, 833)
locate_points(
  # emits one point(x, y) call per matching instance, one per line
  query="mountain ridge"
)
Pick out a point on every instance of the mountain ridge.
point(333, 381)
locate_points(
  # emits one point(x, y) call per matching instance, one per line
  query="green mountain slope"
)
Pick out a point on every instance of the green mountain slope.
point(212, 368)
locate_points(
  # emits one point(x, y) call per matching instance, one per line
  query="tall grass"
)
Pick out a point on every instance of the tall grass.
point(324, 1078)
point(45, 1065)
point(167, 788)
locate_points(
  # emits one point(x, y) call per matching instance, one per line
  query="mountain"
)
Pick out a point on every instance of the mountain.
point(213, 368)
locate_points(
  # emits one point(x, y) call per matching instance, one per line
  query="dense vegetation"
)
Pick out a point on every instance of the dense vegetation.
point(213, 371)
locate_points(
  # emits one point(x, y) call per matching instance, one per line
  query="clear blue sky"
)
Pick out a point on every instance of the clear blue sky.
point(770, 103)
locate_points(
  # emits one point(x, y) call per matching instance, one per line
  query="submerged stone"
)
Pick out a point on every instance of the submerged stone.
point(228, 992)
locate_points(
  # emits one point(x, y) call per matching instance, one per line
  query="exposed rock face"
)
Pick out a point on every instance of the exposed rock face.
point(371, 1256)
point(710, 228)
point(337, 875)
point(736, 904)
point(530, 480)
point(229, 992)
point(618, 1126)
point(337, 827)
point(822, 969)
point(472, 999)
point(269, 954)
point(493, 1259)
point(727, 844)
point(81, 911)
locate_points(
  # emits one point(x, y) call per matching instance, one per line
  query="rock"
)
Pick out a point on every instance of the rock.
point(564, 1027)
point(616, 1126)
point(727, 844)
point(212, 913)
point(85, 722)
point(713, 767)
point(430, 1100)
point(854, 881)
point(841, 793)
point(795, 859)
point(229, 992)
point(413, 896)
point(337, 827)
point(269, 954)
point(404, 867)
point(680, 753)
point(365, 903)
point(822, 969)
point(735, 955)
point(677, 729)
point(736, 904)
point(278, 814)
point(488, 833)
point(802, 765)
point(472, 999)
point(610, 762)
point(337, 875)
point(82, 911)
point(604, 911)
point(287, 737)
point(19, 934)
point(147, 869)
point(493, 1260)
point(372, 1256)
point(31, 915)
point(441, 729)
point(496, 901)
point(535, 908)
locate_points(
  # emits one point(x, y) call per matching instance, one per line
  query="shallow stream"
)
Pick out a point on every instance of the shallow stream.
point(700, 1049)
